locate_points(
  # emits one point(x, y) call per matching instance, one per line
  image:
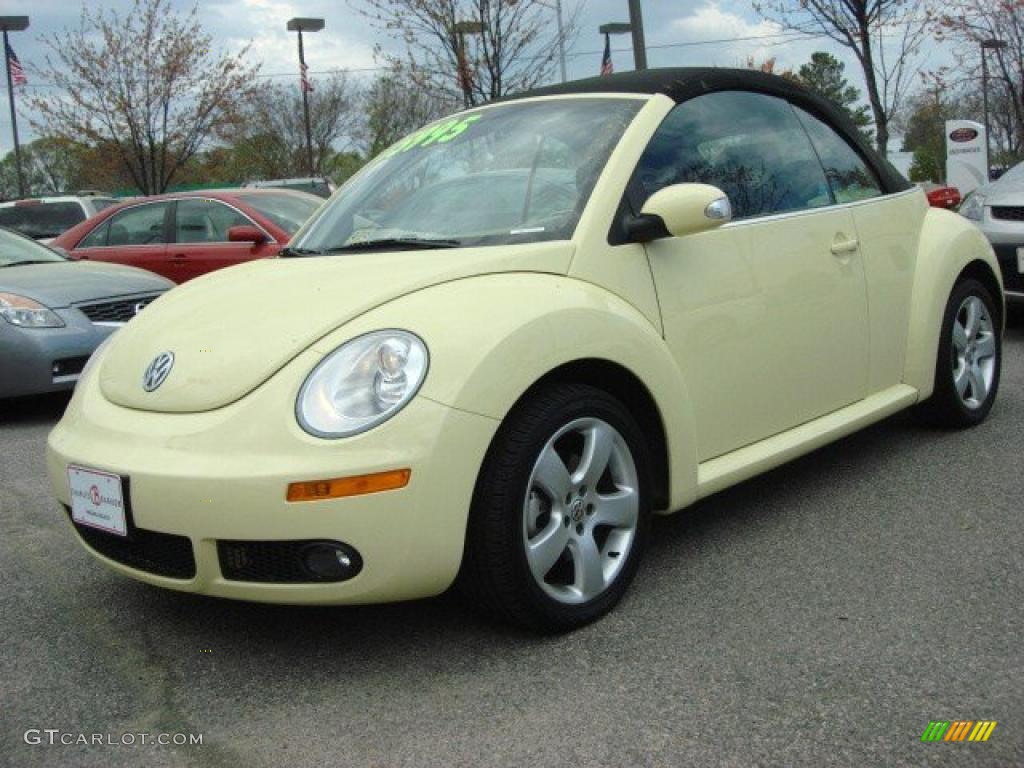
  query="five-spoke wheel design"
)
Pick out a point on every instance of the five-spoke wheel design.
point(974, 352)
point(581, 510)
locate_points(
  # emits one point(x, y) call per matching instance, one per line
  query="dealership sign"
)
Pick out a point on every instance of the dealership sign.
point(966, 155)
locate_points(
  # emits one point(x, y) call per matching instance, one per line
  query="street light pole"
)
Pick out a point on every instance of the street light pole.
point(463, 28)
point(988, 45)
point(561, 38)
point(309, 25)
point(14, 24)
point(636, 23)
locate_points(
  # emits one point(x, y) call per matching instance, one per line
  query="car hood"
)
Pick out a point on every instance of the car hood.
point(62, 284)
point(231, 330)
point(1003, 192)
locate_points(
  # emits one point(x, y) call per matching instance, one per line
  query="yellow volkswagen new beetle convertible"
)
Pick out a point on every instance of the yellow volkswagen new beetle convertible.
point(514, 336)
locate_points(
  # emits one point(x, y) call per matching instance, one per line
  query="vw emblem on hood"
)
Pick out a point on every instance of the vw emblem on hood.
point(157, 371)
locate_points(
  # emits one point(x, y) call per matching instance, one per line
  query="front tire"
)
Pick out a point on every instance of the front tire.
point(560, 514)
point(967, 367)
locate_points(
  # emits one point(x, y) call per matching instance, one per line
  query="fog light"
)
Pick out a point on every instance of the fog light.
point(331, 561)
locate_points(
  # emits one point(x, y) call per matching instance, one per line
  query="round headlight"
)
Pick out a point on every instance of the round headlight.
point(363, 383)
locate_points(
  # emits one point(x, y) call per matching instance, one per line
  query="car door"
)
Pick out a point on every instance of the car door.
point(767, 315)
point(200, 238)
point(135, 236)
point(888, 228)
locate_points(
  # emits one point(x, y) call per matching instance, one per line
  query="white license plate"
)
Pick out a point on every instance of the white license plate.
point(1020, 260)
point(97, 500)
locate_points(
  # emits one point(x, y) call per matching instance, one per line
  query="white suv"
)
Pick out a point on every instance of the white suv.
point(43, 218)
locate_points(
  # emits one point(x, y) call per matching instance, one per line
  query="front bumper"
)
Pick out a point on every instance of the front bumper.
point(1013, 280)
point(222, 476)
point(1006, 236)
point(40, 360)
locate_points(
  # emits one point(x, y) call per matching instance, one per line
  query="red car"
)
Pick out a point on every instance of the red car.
point(943, 197)
point(186, 234)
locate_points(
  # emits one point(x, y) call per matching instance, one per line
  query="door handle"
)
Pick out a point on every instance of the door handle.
point(843, 247)
point(180, 256)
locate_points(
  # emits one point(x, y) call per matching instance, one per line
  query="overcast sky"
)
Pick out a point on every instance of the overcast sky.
point(678, 34)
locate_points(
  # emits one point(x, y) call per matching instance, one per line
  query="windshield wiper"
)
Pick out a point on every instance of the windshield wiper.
point(37, 261)
point(394, 242)
point(288, 252)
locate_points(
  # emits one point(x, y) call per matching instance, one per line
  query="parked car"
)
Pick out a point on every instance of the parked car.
point(44, 218)
point(187, 234)
point(714, 277)
point(55, 312)
point(998, 210)
point(315, 185)
point(942, 197)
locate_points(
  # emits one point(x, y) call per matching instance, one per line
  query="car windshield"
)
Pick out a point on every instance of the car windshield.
point(15, 249)
point(289, 212)
point(39, 219)
point(520, 172)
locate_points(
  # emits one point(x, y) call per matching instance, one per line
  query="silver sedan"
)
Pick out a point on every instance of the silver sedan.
point(998, 209)
point(54, 312)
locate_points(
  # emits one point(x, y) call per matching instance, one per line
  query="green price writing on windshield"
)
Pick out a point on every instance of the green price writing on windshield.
point(441, 133)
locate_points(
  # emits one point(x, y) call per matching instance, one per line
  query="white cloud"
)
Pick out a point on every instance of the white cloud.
point(750, 37)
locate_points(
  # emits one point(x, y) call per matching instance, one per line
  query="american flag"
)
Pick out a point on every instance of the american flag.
point(306, 83)
point(606, 60)
point(14, 66)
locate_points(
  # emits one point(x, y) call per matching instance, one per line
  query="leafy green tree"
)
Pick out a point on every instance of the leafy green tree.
point(824, 74)
point(396, 105)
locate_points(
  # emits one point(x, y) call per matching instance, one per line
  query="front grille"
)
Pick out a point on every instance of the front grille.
point(1013, 280)
point(120, 311)
point(277, 562)
point(1008, 212)
point(162, 554)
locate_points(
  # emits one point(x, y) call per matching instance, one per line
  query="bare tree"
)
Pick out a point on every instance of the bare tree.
point(884, 35)
point(269, 139)
point(145, 86)
point(473, 50)
point(969, 23)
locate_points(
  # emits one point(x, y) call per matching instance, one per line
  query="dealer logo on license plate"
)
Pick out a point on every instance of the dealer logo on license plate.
point(97, 500)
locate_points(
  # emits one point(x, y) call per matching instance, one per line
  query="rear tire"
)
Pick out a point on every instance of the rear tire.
point(560, 514)
point(967, 366)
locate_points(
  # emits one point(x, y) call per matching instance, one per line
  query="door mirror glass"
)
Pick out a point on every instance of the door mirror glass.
point(679, 210)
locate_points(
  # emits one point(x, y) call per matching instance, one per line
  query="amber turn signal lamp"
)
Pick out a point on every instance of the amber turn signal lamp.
point(318, 490)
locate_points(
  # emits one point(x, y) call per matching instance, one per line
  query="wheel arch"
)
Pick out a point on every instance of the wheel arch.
point(626, 387)
point(950, 249)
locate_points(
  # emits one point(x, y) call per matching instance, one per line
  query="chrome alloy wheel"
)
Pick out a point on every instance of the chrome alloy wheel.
point(581, 511)
point(974, 352)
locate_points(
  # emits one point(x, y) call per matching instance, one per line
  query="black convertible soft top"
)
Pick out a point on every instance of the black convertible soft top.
point(683, 83)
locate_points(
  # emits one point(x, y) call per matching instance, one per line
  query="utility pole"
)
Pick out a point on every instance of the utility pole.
point(14, 24)
point(636, 23)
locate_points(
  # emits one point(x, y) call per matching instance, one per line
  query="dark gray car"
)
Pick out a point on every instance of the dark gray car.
point(54, 312)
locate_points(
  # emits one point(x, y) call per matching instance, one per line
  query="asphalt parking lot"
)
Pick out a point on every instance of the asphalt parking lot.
point(820, 615)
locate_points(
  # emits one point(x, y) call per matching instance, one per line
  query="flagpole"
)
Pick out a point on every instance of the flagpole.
point(14, 117)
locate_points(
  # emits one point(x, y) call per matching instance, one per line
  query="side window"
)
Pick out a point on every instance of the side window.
point(96, 238)
point(849, 176)
point(142, 225)
point(205, 221)
point(749, 145)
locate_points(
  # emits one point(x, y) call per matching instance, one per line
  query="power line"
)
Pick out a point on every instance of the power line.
point(780, 38)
